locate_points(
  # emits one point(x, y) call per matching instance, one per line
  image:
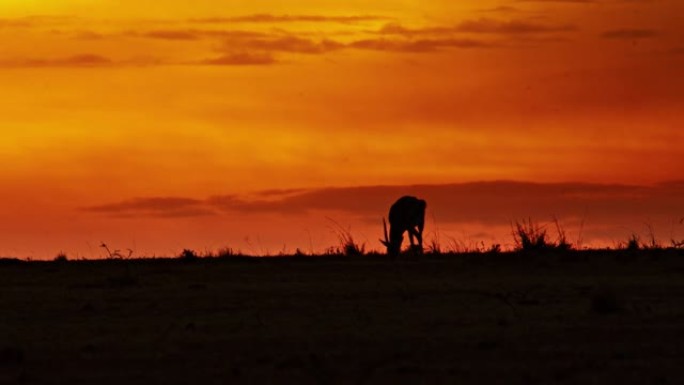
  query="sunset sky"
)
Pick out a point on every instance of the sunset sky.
point(262, 125)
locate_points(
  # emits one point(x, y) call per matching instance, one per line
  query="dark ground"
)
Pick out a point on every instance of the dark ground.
point(581, 318)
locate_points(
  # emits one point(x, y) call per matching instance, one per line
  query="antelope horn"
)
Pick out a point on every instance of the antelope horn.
point(384, 226)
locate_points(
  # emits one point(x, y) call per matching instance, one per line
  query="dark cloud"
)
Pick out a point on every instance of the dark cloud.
point(560, 1)
point(398, 29)
point(172, 35)
point(291, 44)
point(83, 61)
point(491, 203)
point(299, 45)
point(419, 45)
point(271, 18)
point(480, 26)
point(501, 9)
point(88, 35)
point(511, 27)
point(630, 34)
point(604, 211)
point(280, 192)
point(586, 1)
point(240, 59)
point(197, 34)
point(33, 21)
point(246, 47)
point(15, 23)
point(169, 207)
point(487, 202)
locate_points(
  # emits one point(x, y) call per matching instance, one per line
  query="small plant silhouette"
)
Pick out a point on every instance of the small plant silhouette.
point(562, 243)
point(347, 246)
point(675, 243)
point(188, 255)
point(494, 249)
point(116, 254)
point(434, 247)
point(228, 252)
point(633, 243)
point(529, 236)
point(61, 257)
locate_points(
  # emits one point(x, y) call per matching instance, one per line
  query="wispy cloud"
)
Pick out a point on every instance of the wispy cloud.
point(167, 207)
point(419, 45)
point(560, 1)
point(181, 34)
point(511, 27)
point(232, 41)
point(172, 34)
point(501, 9)
point(36, 20)
point(586, 1)
point(15, 23)
point(272, 18)
point(480, 26)
point(82, 61)
point(489, 203)
point(292, 44)
point(240, 59)
point(630, 34)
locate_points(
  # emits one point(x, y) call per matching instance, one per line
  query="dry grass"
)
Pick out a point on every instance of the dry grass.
point(337, 320)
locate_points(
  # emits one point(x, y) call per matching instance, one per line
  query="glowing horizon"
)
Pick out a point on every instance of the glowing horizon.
point(124, 100)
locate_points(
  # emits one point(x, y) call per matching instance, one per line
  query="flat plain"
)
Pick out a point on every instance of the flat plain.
point(590, 317)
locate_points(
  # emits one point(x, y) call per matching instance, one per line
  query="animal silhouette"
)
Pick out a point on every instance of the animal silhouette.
point(406, 214)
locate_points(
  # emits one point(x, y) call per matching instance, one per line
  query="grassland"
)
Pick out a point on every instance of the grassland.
point(592, 317)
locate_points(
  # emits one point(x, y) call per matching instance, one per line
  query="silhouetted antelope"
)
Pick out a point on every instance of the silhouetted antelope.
point(406, 214)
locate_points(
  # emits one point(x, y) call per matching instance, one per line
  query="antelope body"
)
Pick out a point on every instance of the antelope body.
point(406, 214)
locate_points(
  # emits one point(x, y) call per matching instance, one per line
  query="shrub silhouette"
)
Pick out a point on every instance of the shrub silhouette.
point(61, 257)
point(529, 236)
point(347, 246)
point(188, 255)
point(633, 243)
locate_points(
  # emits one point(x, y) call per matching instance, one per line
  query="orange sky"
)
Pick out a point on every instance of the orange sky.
point(113, 102)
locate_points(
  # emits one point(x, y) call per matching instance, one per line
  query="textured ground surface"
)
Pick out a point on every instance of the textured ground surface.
point(510, 319)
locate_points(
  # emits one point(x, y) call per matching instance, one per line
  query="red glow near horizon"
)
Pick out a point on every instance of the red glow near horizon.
point(116, 102)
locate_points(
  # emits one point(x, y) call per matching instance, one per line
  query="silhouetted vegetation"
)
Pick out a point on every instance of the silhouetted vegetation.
point(347, 246)
point(633, 243)
point(434, 247)
point(228, 252)
point(446, 317)
point(116, 254)
point(541, 312)
point(188, 255)
point(530, 236)
point(677, 244)
point(562, 243)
